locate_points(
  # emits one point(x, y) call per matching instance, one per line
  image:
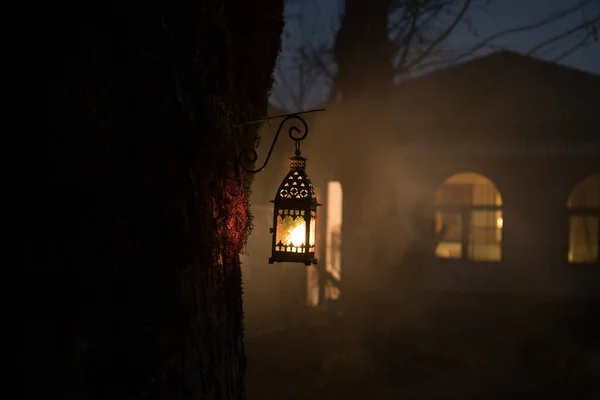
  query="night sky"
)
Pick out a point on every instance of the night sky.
point(316, 21)
point(506, 14)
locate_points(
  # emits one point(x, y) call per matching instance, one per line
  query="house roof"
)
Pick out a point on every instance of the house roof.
point(502, 94)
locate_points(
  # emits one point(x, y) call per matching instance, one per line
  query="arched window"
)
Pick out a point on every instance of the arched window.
point(468, 218)
point(584, 221)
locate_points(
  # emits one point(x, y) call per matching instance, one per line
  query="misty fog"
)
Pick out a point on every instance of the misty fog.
point(395, 319)
point(496, 311)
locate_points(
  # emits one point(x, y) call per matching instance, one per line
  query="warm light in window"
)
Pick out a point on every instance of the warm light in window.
point(469, 215)
point(584, 221)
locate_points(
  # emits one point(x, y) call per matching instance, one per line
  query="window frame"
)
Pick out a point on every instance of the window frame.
point(581, 211)
point(466, 212)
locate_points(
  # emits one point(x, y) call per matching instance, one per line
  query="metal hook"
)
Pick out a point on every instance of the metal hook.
point(250, 155)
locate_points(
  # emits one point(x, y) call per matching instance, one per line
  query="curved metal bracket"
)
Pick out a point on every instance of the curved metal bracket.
point(250, 155)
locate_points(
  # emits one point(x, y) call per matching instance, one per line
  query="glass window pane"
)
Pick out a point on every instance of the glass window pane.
point(451, 222)
point(455, 194)
point(485, 236)
point(485, 194)
point(449, 226)
point(583, 239)
point(468, 188)
point(449, 250)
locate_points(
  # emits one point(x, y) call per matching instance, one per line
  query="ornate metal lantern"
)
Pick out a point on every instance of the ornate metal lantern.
point(294, 216)
point(295, 203)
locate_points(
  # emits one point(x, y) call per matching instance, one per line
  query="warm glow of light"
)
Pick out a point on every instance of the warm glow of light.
point(449, 250)
point(499, 223)
point(444, 253)
point(333, 240)
point(298, 235)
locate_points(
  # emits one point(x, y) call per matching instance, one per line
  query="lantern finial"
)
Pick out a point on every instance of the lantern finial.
point(298, 163)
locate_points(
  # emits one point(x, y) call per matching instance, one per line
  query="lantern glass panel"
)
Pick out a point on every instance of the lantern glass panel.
point(313, 229)
point(291, 231)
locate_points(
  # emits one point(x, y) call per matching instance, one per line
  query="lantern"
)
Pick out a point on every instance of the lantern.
point(294, 217)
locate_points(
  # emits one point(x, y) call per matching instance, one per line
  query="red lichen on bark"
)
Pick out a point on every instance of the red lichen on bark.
point(230, 209)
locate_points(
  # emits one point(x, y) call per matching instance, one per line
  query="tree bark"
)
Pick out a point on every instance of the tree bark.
point(137, 289)
point(363, 53)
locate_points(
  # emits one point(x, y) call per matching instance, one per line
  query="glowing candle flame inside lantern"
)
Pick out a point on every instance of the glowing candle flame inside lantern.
point(297, 236)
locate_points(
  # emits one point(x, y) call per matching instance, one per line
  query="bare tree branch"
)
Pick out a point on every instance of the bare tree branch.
point(406, 42)
point(563, 35)
point(577, 46)
point(289, 88)
point(444, 35)
point(317, 59)
point(543, 22)
point(419, 32)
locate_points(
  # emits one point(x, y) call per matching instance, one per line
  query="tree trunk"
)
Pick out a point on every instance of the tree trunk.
point(137, 292)
point(363, 53)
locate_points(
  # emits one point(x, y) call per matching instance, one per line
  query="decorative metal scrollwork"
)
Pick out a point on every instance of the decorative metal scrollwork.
point(298, 131)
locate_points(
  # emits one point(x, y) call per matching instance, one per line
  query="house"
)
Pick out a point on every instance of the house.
point(503, 152)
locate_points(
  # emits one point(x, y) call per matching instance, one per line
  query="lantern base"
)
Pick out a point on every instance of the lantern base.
point(312, 261)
